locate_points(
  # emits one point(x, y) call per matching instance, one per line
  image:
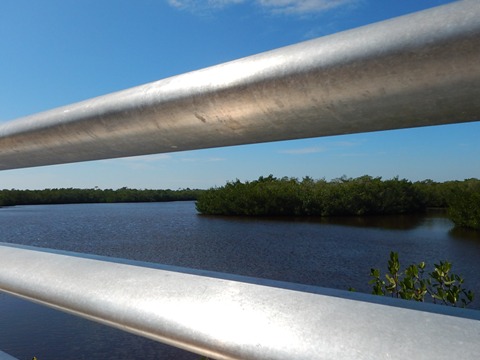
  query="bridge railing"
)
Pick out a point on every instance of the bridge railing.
point(417, 70)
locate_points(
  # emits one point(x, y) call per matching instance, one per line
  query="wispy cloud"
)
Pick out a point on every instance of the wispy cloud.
point(289, 7)
point(202, 6)
point(302, 151)
point(203, 160)
point(146, 158)
point(328, 146)
point(141, 162)
point(301, 6)
point(345, 143)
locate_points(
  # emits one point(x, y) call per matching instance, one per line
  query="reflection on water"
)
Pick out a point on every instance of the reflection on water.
point(334, 252)
point(390, 222)
point(464, 234)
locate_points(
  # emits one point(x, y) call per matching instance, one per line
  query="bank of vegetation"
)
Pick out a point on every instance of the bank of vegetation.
point(365, 195)
point(79, 196)
point(271, 196)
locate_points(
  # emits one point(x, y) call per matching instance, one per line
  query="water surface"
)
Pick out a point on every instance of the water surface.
point(335, 253)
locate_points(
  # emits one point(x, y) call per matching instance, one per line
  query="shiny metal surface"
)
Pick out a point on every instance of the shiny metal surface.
point(227, 319)
point(421, 69)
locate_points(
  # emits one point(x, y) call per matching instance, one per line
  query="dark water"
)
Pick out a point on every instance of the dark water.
point(337, 253)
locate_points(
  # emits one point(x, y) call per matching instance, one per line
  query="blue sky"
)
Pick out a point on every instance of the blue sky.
point(56, 52)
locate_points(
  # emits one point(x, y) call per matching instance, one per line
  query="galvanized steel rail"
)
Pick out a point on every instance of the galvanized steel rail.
point(239, 319)
point(422, 69)
point(416, 70)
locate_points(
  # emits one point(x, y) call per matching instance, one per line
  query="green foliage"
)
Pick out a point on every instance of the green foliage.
point(73, 196)
point(441, 285)
point(464, 205)
point(461, 198)
point(365, 195)
point(270, 196)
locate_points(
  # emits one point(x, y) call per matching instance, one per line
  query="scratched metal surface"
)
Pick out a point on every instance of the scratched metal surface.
point(238, 319)
point(416, 70)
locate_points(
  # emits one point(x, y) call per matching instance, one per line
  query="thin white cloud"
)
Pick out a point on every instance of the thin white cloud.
point(345, 143)
point(328, 146)
point(141, 162)
point(203, 160)
point(146, 158)
point(202, 5)
point(302, 151)
point(294, 7)
point(301, 6)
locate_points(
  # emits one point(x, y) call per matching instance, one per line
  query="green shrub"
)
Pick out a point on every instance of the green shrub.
point(464, 209)
point(441, 285)
point(270, 196)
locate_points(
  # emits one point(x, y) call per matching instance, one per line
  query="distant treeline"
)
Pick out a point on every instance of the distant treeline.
point(270, 196)
point(78, 196)
point(365, 195)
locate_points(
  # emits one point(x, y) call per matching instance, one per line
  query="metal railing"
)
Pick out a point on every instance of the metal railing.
point(417, 70)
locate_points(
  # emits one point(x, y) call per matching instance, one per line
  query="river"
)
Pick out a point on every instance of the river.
point(337, 253)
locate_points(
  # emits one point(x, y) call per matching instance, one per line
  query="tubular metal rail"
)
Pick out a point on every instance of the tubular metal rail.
point(417, 70)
